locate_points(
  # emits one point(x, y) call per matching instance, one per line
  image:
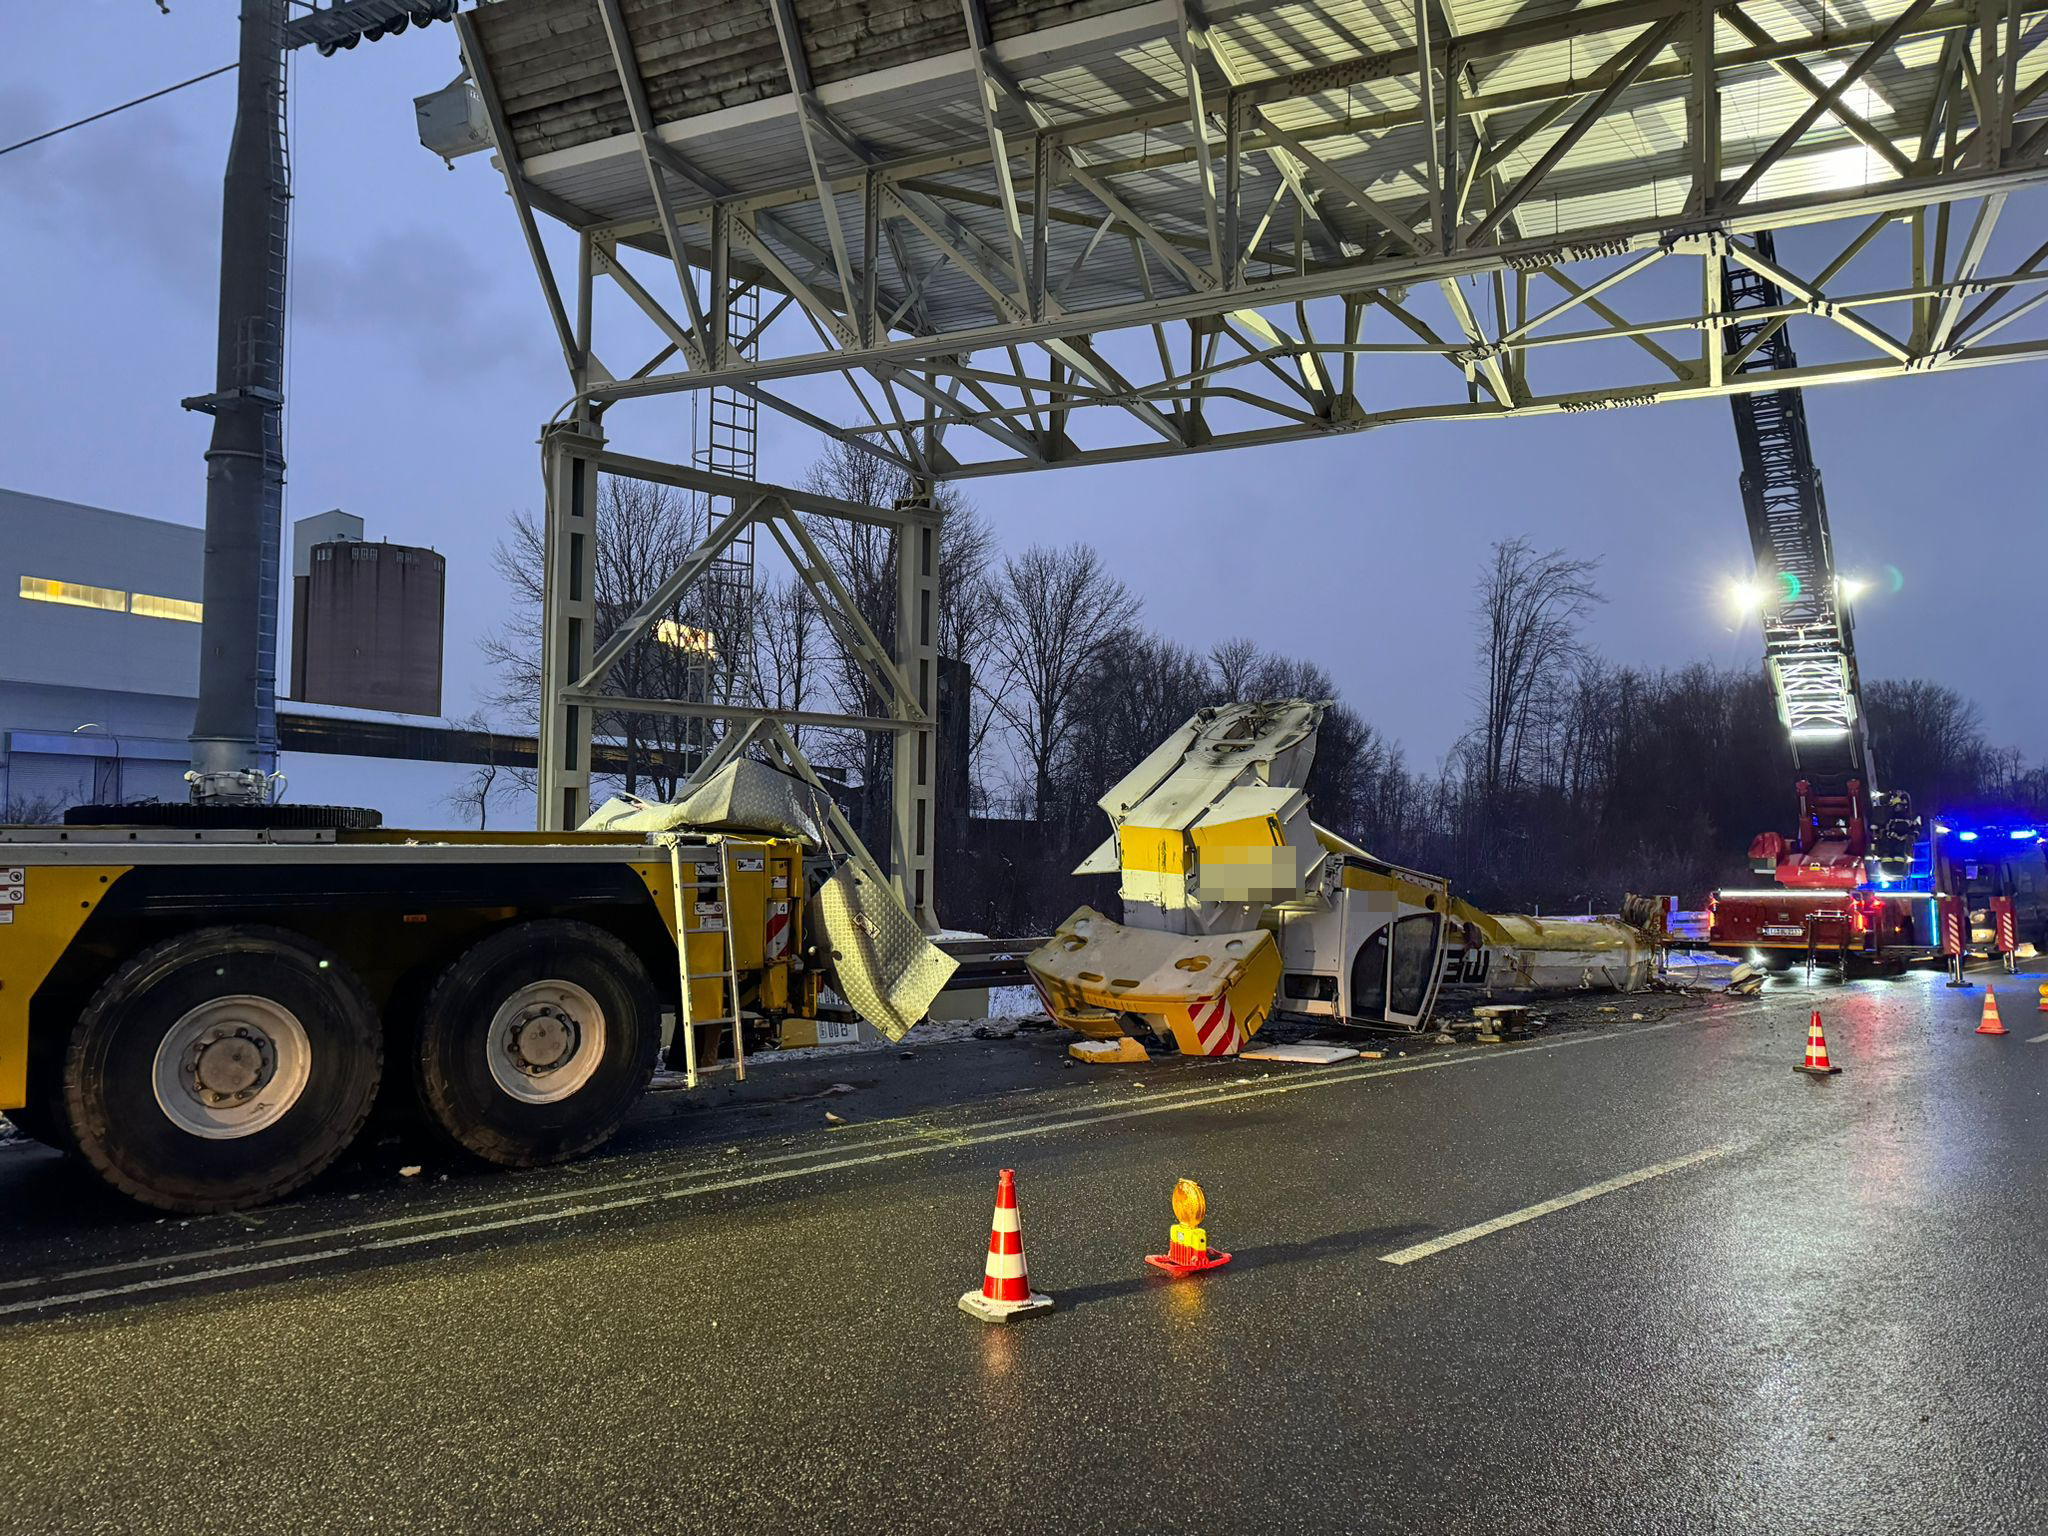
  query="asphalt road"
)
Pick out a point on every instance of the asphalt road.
point(1735, 1299)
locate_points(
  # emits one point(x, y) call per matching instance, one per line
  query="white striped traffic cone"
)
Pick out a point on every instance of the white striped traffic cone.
point(1990, 1023)
point(1816, 1063)
point(1005, 1287)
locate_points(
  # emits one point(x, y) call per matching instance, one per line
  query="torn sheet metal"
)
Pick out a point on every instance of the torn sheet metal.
point(1213, 827)
point(743, 796)
point(880, 960)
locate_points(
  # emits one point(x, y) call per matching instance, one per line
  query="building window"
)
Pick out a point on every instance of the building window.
point(167, 608)
point(42, 590)
point(686, 637)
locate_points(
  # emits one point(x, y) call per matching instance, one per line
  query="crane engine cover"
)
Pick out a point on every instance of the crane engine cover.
point(1208, 994)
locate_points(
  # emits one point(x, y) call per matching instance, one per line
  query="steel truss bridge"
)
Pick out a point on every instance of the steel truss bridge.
point(1016, 234)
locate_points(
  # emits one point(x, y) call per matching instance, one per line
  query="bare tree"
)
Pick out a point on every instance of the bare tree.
point(1061, 610)
point(1530, 607)
point(788, 646)
point(32, 810)
point(644, 531)
point(483, 785)
point(1926, 739)
point(864, 559)
point(1140, 688)
point(1234, 661)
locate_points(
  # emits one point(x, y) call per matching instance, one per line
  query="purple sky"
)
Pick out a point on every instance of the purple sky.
point(421, 364)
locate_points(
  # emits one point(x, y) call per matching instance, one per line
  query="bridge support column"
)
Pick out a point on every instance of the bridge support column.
point(568, 621)
point(913, 820)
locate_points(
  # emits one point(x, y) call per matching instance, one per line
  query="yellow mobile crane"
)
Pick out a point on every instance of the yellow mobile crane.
point(207, 1012)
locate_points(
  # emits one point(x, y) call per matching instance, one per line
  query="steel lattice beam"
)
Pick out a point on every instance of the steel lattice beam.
point(1060, 280)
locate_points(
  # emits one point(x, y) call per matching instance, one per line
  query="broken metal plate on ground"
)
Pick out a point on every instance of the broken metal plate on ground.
point(1302, 1055)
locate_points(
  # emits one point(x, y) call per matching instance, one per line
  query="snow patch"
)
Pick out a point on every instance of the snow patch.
point(1014, 1003)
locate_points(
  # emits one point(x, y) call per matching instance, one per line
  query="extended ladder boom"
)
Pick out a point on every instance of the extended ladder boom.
point(1809, 642)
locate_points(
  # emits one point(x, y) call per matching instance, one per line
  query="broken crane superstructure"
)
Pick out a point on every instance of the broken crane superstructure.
point(1237, 906)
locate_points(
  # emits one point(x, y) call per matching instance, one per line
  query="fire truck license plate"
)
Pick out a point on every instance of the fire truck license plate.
point(1771, 932)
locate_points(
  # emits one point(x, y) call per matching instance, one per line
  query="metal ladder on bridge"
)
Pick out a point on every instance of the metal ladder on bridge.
point(731, 448)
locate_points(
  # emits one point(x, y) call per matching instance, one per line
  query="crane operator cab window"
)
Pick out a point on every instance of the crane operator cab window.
point(1392, 971)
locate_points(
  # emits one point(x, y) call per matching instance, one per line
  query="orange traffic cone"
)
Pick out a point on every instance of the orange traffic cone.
point(1005, 1287)
point(1816, 1063)
point(1187, 1248)
point(2044, 997)
point(1990, 1024)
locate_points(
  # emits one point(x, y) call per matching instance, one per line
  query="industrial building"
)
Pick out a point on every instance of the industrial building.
point(366, 618)
point(99, 646)
point(99, 653)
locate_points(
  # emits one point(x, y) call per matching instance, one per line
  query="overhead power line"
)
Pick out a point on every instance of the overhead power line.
point(138, 101)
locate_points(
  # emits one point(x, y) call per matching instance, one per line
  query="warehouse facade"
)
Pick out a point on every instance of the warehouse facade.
point(99, 654)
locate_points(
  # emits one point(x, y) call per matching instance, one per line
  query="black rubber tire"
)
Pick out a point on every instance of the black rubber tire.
point(461, 1097)
point(110, 1099)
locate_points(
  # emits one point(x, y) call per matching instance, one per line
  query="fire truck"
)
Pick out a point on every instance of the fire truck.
point(1997, 870)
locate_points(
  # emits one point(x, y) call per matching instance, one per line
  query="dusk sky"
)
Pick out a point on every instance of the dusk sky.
point(421, 364)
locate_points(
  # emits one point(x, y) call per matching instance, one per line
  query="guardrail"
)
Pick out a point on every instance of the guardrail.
point(989, 962)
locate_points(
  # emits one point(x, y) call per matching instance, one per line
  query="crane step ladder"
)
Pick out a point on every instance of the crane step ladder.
point(689, 903)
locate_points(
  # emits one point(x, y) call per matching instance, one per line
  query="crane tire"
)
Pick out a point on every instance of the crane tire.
point(536, 1042)
point(222, 1068)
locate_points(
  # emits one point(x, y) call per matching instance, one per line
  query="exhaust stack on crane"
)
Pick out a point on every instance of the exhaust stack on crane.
point(234, 727)
point(1237, 905)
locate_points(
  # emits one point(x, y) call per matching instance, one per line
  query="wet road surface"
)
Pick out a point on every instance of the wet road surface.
point(1644, 1277)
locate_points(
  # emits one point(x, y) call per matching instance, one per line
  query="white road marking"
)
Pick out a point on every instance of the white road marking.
point(567, 1204)
point(1545, 1208)
point(2037, 1039)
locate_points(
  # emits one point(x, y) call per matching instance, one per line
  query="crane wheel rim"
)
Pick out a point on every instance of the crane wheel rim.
point(231, 1067)
point(546, 1040)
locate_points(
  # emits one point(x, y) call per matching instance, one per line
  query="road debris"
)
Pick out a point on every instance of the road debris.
point(1304, 1054)
point(1098, 1053)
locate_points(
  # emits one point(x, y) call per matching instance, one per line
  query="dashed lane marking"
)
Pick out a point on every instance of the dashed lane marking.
point(565, 1205)
point(1545, 1208)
